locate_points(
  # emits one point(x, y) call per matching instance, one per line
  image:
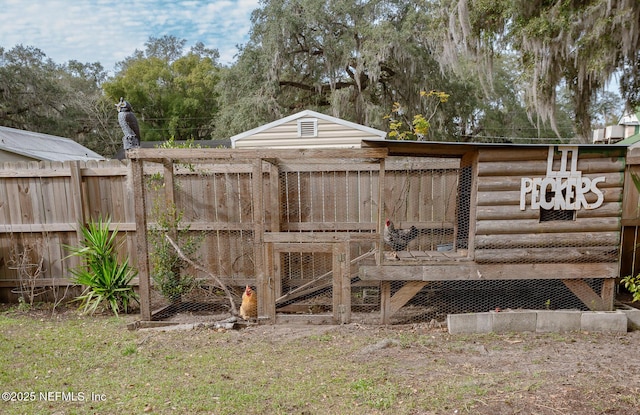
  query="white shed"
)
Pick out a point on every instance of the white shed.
point(307, 129)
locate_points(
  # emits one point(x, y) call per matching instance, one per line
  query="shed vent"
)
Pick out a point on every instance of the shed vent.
point(308, 127)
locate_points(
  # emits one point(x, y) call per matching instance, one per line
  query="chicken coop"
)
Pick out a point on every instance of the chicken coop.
point(491, 226)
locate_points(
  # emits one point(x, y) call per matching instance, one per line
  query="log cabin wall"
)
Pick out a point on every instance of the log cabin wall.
point(512, 226)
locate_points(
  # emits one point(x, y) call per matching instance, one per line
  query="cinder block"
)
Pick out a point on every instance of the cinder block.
point(513, 321)
point(558, 320)
point(633, 316)
point(469, 323)
point(606, 321)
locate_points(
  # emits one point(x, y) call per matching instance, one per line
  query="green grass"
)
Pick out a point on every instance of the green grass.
point(116, 371)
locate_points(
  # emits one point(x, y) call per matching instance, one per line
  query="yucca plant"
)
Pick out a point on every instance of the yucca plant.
point(106, 279)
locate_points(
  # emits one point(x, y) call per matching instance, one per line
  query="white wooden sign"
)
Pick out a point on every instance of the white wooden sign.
point(567, 187)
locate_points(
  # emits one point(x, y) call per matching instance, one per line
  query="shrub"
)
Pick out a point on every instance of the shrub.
point(169, 270)
point(632, 284)
point(106, 279)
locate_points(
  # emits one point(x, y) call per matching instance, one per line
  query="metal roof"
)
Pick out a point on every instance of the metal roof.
point(44, 146)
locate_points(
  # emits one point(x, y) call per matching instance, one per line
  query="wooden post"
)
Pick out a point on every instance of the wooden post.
point(381, 218)
point(385, 301)
point(608, 293)
point(346, 282)
point(341, 283)
point(265, 287)
point(141, 239)
point(77, 196)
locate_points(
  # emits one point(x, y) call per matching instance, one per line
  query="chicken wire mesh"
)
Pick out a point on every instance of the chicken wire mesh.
point(211, 218)
point(201, 240)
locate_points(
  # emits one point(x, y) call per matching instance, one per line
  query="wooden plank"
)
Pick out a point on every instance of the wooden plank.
point(528, 226)
point(392, 163)
point(513, 212)
point(295, 237)
point(76, 195)
point(583, 291)
point(40, 282)
point(513, 183)
point(533, 240)
point(535, 168)
point(487, 198)
point(548, 254)
point(541, 152)
point(184, 154)
point(459, 271)
point(303, 247)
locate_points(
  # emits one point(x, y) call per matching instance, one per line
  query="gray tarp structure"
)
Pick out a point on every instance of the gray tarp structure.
point(38, 146)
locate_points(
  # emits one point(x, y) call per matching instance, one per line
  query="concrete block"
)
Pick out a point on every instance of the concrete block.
point(513, 321)
point(469, 323)
point(633, 316)
point(557, 321)
point(606, 321)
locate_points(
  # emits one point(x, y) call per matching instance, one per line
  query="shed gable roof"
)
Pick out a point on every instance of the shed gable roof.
point(308, 114)
point(44, 146)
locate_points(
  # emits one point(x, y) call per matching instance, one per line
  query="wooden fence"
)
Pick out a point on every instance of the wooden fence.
point(42, 205)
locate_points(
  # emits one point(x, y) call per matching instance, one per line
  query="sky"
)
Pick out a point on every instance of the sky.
point(107, 31)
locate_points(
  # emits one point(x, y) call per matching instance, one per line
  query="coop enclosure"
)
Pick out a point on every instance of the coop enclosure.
point(305, 229)
point(295, 225)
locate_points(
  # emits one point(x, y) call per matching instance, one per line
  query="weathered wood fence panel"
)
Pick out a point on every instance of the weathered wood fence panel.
point(42, 205)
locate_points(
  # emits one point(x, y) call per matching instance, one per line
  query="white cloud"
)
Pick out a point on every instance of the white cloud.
point(109, 31)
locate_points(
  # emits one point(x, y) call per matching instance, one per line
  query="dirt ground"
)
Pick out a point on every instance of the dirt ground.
point(487, 374)
point(518, 373)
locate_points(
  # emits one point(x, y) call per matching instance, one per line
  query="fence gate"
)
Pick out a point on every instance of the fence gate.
point(308, 274)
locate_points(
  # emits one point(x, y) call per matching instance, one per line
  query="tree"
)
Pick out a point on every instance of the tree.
point(578, 44)
point(32, 99)
point(172, 93)
point(66, 100)
point(351, 59)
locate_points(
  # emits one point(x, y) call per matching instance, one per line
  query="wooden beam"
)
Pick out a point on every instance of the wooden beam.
point(326, 247)
point(583, 291)
point(461, 271)
point(294, 237)
point(541, 240)
point(185, 154)
point(608, 293)
point(266, 294)
point(141, 239)
point(400, 298)
point(506, 227)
